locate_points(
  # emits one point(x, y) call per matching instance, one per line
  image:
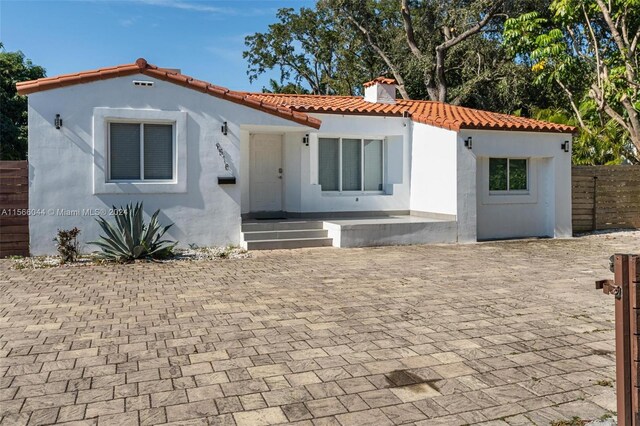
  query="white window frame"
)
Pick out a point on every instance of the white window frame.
point(510, 191)
point(142, 124)
point(362, 139)
point(102, 184)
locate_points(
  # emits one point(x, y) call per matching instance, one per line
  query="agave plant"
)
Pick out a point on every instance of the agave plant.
point(129, 238)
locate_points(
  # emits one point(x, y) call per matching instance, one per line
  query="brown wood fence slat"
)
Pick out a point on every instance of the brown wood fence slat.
point(14, 195)
point(605, 197)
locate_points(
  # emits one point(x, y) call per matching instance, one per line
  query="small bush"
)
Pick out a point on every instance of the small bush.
point(67, 244)
point(130, 238)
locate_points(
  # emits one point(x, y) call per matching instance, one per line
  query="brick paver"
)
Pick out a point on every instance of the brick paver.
point(502, 333)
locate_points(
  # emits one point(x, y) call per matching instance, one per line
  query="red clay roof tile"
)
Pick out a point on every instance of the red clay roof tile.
point(381, 80)
point(295, 107)
point(427, 112)
point(141, 66)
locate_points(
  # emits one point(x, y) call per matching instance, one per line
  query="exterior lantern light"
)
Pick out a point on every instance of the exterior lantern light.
point(224, 129)
point(565, 146)
point(57, 121)
point(305, 139)
point(468, 142)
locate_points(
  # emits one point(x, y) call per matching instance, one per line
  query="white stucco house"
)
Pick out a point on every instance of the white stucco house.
point(326, 170)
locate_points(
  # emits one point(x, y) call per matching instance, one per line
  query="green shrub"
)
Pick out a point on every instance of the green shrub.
point(130, 238)
point(67, 244)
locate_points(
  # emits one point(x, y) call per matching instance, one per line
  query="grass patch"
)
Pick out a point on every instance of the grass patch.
point(575, 421)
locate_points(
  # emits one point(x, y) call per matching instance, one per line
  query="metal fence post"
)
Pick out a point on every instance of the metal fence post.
point(626, 288)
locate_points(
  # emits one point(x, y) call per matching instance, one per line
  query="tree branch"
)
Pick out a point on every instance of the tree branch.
point(574, 107)
point(617, 38)
point(596, 48)
point(474, 29)
point(634, 43)
point(380, 52)
point(408, 29)
point(449, 42)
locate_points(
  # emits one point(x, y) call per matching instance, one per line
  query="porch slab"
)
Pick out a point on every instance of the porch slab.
point(391, 230)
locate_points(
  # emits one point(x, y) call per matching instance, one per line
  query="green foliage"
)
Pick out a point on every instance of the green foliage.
point(322, 50)
point(13, 107)
point(288, 88)
point(130, 238)
point(587, 49)
point(67, 244)
point(603, 142)
point(308, 49)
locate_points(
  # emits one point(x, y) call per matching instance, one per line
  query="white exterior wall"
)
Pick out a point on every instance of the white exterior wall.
point(433, 170)
point(466, 193)
point(303, 194)
point(61, 162)
point(544, 211)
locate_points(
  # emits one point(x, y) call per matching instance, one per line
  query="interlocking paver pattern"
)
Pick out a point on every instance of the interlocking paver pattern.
point(497, 333)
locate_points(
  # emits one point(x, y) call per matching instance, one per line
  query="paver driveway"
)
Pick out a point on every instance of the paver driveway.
point(498, 332)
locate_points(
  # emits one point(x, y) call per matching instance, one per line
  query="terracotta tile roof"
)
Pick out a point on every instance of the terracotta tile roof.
point(381, 80)
point(428, 112)
point(296, 107)
point(142, 67)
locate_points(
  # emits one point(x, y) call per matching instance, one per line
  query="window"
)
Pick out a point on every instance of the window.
point(508, 174)
point(141, 151)
point(348, 164)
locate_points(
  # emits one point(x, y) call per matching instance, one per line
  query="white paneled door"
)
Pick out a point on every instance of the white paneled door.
point(265, 175)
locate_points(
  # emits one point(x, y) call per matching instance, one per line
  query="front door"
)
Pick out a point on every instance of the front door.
point(265, 174)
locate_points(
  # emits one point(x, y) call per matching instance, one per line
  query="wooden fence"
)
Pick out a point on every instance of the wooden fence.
point(605, 197)
point(14, 201)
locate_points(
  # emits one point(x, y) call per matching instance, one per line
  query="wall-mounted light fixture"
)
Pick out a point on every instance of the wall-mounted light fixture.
point(57, 121)
point(224, 128)
point(565, 146)
point(305, 139)
point(468, 142)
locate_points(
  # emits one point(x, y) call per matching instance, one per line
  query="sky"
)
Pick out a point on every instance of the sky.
point(203, 38)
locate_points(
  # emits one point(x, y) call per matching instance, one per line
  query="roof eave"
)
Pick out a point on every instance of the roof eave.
point(142, 67)
point(568, 130)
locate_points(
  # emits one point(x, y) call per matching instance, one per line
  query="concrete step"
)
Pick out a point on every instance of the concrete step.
point(284, 235)
point(284, 225)
point(287, 244)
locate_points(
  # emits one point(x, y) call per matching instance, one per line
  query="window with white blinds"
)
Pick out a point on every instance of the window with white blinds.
point(329, 163)
point(348, 164)
point(141, 151)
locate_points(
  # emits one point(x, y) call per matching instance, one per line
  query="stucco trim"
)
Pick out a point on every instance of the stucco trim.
point(101, 118)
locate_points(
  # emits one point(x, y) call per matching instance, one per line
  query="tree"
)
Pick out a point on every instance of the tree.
point(13, 107)
point(307, 49)
point(350, 42)
point(288, 88)
point(604, 143)
point(589, 49)
point(430, 29)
